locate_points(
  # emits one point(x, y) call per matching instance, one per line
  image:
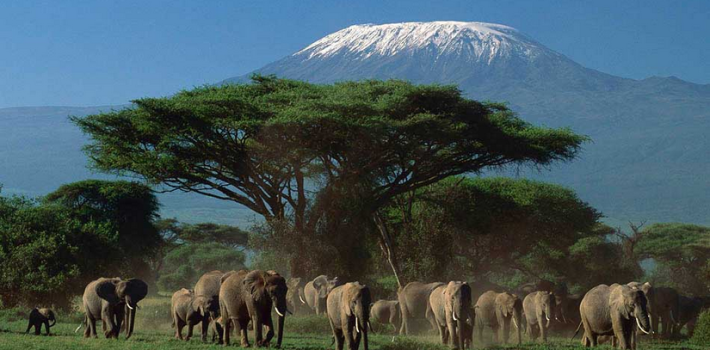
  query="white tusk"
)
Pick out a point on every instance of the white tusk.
point(547, 317)
point(302, 301)
point(357, 328)
point(454, 314)
point(515, 323)
point(78, 328)
point(278, 312)
point(129, 306)
point(639, 325)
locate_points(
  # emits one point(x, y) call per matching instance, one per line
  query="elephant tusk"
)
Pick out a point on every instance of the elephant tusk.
point(129, 306)
point(78, 328)
point(547, 317)
point(639, 325)
point(454, 314)
point(301, 298)
point(515, 323)
point(278, 312)
point(357, 328)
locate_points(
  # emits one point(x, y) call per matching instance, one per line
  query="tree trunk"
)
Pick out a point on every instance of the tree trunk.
point(387, 246)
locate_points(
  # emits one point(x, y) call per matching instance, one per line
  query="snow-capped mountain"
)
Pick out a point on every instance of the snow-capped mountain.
point(648, 158)
point(469, 41)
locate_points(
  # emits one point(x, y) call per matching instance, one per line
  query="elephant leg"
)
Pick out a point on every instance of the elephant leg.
point(244, 334)
point(451, 336)
point(442, 334)
point(339, 339)
point(543, 330)
point(204, 328)
point(529, 331)
point(190, 327)
point(46, 327)
point(505, 329)
point(226, 328)
point(269, 323)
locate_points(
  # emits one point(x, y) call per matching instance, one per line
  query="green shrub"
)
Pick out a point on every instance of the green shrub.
point(702, 329)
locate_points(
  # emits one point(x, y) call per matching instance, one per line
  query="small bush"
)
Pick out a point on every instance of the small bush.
point(702, 329)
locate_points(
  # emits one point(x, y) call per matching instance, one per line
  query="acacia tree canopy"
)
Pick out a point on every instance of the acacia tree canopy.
point(259, 144)
point(682, 250)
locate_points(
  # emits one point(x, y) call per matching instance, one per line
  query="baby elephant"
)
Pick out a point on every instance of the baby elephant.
point(39, 317)
point(387, 312)
point(187, 310)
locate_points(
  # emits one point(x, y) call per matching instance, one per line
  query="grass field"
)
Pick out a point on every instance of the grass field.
point(302, 333)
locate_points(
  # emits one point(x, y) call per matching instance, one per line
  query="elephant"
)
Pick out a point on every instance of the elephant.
point(567, 312)
point(387, 312)
point(348, 308)
point(208, 287)
point(250, 296)
point(110, 300)
point(450, 306)
point(316, 291)
point(496, 311)
point(666, 308)
point(414, 303)
point(296, 297)
point(39, 317)
point(688, 311)
point(537, 305)
point(186, 309)
point(613, 310)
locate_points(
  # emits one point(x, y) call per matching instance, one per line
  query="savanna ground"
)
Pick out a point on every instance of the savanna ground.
point(302, 332)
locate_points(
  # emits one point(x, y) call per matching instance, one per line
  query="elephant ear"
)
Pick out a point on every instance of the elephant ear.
point(254, 283)
point(106, 290)
point(199, 304)
point(134, 287)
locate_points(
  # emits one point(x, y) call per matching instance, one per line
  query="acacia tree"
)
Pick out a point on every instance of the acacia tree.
point(275, 144)
point(682, 250)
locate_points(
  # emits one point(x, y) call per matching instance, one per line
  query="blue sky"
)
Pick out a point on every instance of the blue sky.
point(83, 53)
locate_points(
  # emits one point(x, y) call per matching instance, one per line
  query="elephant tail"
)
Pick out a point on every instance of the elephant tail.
point(577, 331)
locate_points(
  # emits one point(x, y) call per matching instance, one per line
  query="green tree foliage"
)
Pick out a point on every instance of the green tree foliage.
point(189, 250)
point(51, 248)
point(682, 250)
point(126, 213)
point(184, 265)
point(277, 145)
point(492, 226)
point(701, 336)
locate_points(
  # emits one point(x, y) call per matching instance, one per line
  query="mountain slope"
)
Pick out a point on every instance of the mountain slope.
point(649, 159)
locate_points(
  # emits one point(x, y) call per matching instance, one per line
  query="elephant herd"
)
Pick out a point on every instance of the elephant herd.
point(242, 300)
point(457, 311)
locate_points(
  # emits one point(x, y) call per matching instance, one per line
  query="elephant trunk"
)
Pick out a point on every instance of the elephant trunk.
point(516, 319)
point(131, 320)
point(364, 334)
point(280, 334)
point(642, 319)
point(460, 330)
